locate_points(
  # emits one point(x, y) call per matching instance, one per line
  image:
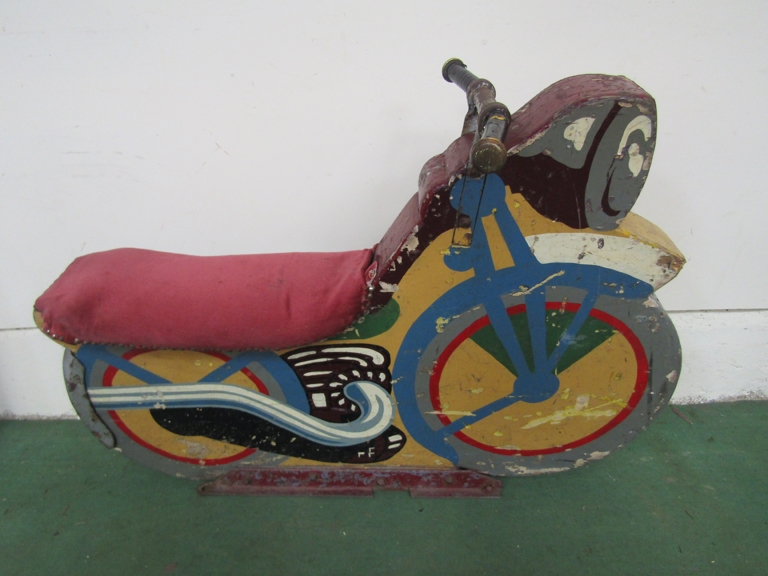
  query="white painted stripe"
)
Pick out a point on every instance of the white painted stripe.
point(627, 255)
point(353, 359)
point(642, 123)
point(377, 357)
point(301, 354)
point(315, 361)
point(319, 400)
point(373, 421)
point(577, 131)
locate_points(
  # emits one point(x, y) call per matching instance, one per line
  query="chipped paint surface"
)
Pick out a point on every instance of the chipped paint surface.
point(412, 243)
point(195, 449)
point(388, 287)
point(525, 291)
point(673, 376)
point(596, 455)
point(636, 159)
point(580, 409)
point(518, 470)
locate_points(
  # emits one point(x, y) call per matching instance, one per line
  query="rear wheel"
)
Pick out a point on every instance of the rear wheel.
point(138, 434)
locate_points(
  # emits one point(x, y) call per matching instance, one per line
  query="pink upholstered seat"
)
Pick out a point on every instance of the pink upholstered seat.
point(158, 300)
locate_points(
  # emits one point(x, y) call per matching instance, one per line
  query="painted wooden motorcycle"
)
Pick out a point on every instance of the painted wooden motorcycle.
point(506, 323)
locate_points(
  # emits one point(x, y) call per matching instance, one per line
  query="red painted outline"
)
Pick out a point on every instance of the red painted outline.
point(640, 383)
point(109, 375)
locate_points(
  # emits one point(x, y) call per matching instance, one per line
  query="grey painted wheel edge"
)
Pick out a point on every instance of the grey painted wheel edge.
point(74, 378)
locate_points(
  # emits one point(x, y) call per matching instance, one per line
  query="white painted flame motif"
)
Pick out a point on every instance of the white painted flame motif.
point(577, 131)
point(636, 159)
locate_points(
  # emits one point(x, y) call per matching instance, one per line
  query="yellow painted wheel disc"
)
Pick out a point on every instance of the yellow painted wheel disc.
point(597, 391)
point(179, 366)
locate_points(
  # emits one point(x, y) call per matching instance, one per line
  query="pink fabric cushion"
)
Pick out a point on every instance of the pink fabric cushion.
point(160, 300)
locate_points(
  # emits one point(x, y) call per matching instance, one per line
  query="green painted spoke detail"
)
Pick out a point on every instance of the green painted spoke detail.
point(593, 333)
point(487, 339)
point(372, 324)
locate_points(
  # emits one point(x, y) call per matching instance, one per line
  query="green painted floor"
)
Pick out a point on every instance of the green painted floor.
point(684, 498)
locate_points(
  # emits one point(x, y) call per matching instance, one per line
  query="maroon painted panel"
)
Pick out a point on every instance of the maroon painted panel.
point(317, 481)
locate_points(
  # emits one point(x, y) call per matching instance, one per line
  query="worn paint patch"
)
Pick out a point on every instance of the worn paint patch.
point(412, 243)
point(518, 470)
point(388, 288)
point(580, 409)
point(195, 449)
point(441, 323)
point(450, 413)
point(673, 376)
point(636, 159)
point(524, 291)
point(596, 455)
point(651, 302)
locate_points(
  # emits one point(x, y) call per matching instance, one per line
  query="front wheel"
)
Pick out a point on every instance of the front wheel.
point(467, 401)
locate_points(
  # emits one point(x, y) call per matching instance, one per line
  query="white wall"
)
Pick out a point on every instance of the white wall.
point(237, 127)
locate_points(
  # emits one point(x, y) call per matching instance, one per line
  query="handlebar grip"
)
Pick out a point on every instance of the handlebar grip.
point(488, 152)
point(455, 71)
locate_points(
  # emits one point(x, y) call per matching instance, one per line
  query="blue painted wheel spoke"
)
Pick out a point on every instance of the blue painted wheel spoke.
point(477, 415)
point(233, 366)
point(89, 354)
point(535, 306)
point(502, 324)
point(573, 329)
point(516, 242)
